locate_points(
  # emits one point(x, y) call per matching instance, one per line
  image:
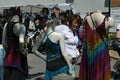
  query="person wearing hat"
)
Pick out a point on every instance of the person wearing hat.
point(56, 15)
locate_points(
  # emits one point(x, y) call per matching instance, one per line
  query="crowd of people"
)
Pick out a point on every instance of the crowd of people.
point(63, 35)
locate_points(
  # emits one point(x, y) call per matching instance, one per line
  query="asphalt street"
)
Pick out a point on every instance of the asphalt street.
point(37, 66)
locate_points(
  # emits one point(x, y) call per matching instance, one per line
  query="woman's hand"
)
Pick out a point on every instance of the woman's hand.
point(70, 70)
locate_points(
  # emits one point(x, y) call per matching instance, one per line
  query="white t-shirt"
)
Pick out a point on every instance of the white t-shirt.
point(71, 41)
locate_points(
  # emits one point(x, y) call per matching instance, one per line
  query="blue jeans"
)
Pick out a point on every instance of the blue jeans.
point(2, 55)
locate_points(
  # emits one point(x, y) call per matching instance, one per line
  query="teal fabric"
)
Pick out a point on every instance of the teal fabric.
point(53, 54)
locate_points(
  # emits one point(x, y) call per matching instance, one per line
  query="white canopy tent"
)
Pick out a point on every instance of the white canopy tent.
point(10, 3)
point(62, 6)
point(26, 4)
point(36, 5)
point(80, 6)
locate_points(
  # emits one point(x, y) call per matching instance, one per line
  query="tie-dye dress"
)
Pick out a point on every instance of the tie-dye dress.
point(95, 62)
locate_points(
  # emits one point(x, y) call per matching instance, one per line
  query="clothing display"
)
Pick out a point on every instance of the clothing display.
point(14, 58)
point(55, 62)
point(95, 63)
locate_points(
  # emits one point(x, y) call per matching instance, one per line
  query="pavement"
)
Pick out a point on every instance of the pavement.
point(37, 66)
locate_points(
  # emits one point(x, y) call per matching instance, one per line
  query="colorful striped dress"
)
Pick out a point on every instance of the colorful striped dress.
point(95, 62)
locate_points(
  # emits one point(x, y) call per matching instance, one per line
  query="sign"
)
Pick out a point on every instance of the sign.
point(115, 3)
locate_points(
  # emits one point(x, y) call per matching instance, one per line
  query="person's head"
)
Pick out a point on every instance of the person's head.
point(45, 11)
point(64, 21)
point(75, 21)
point(56, 10)
point(38, 19)
point(64, 18)
point(48, 25)
point(37, 22)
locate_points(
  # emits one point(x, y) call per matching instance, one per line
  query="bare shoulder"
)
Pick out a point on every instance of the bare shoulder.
point(57, 34)
point(55, 37)
point(98, 16)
